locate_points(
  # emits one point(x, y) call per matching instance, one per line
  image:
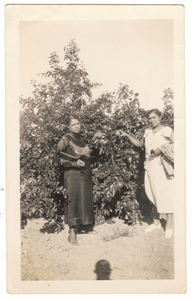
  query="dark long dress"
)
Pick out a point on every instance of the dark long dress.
point(79, 207)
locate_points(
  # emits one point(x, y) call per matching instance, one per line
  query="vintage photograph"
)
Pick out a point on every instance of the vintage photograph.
point(97, 150)
point(97, 119)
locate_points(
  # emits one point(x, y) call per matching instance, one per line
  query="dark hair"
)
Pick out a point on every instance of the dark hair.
point(155, 111)
point(69, 118)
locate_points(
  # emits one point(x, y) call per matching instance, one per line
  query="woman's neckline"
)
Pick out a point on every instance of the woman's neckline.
point(75, 134)
point(76, 139)
point(154, 132)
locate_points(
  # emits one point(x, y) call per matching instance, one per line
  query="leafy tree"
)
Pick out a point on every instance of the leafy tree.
point(168, 110)
point(42, 124)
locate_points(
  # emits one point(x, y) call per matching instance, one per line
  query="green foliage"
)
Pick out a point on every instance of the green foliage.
point(168, 110)
point(117, 166)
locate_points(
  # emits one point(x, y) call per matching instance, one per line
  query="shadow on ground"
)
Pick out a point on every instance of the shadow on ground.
point(103, 270)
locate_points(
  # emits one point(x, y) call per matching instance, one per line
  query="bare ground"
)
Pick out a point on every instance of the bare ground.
point(130, 252)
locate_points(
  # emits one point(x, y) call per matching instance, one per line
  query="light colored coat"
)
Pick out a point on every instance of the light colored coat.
point(167, 158)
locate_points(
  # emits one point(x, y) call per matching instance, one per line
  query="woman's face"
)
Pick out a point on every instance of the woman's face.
point(74, 126)
point(154, 120)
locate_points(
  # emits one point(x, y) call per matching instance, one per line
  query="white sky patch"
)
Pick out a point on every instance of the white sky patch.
point(138, 53)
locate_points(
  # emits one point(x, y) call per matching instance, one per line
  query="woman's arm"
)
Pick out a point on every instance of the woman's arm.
point(134, 141)
point(62, 145)
point(67, 163)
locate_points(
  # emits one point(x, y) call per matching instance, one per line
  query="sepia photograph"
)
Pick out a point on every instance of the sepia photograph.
point(97, 114)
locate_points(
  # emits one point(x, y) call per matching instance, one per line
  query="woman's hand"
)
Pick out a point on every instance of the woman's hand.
point(155, 152)
point(120, 133)
point(134, 141)
point(80, 163)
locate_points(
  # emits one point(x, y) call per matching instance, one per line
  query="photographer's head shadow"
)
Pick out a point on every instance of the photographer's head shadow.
point(103, 270)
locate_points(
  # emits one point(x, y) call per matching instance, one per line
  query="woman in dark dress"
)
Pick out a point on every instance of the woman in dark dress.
point(79, 209)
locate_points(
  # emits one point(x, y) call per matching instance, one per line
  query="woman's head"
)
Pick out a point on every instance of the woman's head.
point(73, 123)
point(154, 117)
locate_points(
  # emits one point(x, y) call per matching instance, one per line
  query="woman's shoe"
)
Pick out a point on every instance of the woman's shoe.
point(152, 227)
point(73, 241)
point(168, 233)
point(92, 231)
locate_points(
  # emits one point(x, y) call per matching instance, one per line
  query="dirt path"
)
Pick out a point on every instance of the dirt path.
point(138, 255)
